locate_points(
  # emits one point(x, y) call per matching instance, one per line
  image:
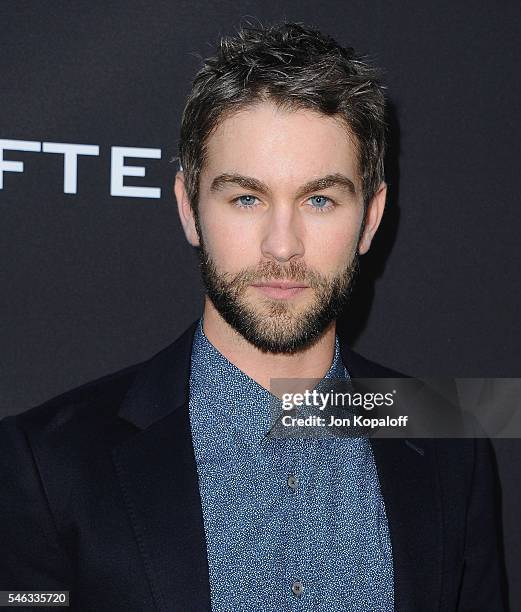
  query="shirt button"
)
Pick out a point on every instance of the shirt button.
point(292, 482)
point(297, 588)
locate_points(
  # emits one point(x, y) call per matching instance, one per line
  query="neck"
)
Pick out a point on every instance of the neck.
point(312, 362)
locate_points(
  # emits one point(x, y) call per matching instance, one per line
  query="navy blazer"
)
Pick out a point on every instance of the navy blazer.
point(99, 496)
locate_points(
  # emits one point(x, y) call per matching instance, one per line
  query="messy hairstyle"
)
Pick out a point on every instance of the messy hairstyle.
point(294, 67)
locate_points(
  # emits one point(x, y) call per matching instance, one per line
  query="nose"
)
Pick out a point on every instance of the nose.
point(282, 239)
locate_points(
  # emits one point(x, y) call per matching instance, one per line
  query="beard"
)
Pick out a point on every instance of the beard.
point(277, 326)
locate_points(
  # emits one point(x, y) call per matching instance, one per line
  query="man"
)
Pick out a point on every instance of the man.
point(160, 486)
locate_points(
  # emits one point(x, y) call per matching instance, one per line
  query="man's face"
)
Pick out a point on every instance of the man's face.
point(278, 224)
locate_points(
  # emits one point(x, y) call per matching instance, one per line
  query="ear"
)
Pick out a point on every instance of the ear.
point(373, 216)
point(186, 214)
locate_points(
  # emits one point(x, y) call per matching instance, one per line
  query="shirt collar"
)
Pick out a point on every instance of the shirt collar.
point(218, 385)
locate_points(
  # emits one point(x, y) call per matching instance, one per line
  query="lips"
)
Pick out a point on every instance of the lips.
point(280, 289)
point(281, 285)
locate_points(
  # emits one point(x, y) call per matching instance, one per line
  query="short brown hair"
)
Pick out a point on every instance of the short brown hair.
point(293, 66)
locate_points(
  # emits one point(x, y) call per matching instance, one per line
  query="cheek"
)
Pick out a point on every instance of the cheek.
point(331, 254)
point(335, 242)
point(231, 245)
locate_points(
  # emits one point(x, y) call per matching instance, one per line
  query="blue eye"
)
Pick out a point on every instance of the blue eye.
point(246, 200)
point(320, 202)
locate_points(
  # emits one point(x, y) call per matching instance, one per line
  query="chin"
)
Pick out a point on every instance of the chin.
point(277, 333)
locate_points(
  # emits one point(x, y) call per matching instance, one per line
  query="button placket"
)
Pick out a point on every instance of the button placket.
point(295, 484)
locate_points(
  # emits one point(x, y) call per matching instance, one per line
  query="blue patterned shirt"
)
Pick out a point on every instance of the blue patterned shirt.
point(294, 524)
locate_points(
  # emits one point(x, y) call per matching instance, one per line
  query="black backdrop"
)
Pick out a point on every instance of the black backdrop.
point(92, 282)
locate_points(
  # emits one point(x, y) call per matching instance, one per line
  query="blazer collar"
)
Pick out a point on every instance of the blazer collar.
point(162, 383)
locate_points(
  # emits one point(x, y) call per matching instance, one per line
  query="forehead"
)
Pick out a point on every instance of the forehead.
point(280, 146)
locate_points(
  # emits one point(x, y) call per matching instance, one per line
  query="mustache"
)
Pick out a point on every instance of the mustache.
point(267, 271)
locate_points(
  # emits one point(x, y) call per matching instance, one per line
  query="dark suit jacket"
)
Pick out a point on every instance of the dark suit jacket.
point(99, 496)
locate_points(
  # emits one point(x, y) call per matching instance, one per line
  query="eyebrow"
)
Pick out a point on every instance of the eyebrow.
point(253, 184)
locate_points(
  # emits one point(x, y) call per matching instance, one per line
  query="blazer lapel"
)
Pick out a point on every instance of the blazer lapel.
point(158, 475)
point(408, 474)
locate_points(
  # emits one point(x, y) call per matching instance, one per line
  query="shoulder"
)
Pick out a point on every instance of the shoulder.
point(457, 455)
point(86, 412)
point(359, 366)
point(50, 442)
point(98, 398)
point(98, 401)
